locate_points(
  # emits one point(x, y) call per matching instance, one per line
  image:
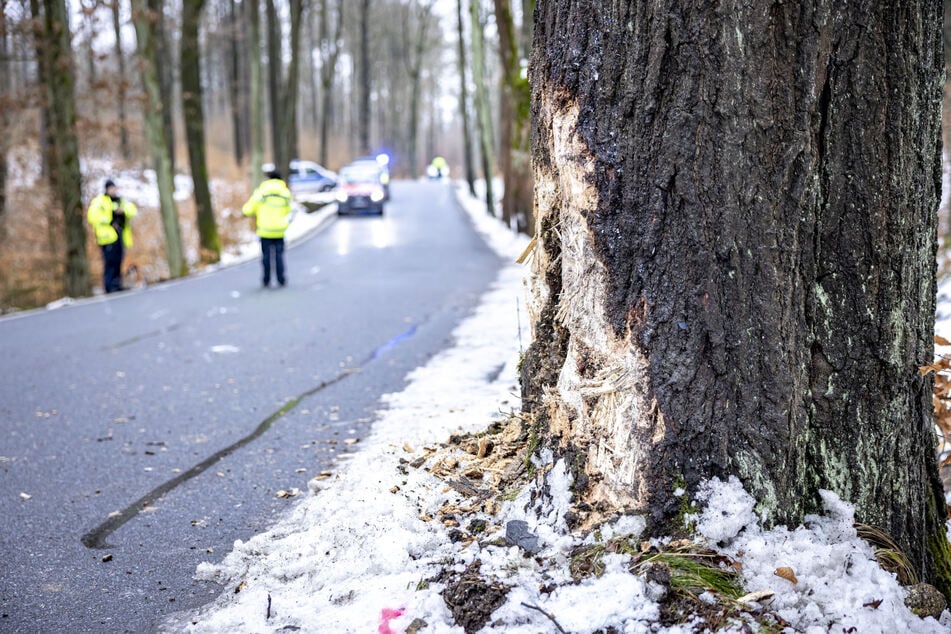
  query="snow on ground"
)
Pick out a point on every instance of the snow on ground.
point(358, 555)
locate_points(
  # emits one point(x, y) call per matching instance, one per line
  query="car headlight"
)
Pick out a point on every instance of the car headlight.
point(341, 196)
point(376, 196)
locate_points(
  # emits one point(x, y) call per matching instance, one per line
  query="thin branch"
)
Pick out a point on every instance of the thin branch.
point(551, 618)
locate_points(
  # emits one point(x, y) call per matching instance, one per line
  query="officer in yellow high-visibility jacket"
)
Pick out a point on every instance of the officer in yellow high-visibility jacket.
point(270, 204)
point(109, 215)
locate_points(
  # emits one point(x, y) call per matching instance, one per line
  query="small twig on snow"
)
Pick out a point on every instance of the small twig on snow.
point(552, 618)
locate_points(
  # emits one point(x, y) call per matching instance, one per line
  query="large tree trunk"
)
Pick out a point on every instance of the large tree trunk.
point(65, 176)
point(194, 115)
point(468, 165)
point(121, 83)
point(363, 121)
point(736, 257)
point(255, 91)
point(483, 115)
point(415, 45)
point(145, 22)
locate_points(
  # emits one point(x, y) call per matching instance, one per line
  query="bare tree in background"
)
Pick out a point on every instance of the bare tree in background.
point(164, 65)
point(330, 47)
point(65, 176)
point(483, 113)
point(464, 102)
point(417, 21)
point(255, 90)
point(236, 88)
point(513, 124)
point(194, 117)
point(363, 116)
point(121, 82)
point(6, 105)
point(735, 279)
point(146, 22)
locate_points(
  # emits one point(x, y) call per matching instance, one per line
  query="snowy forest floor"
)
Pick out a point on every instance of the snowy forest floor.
point(444, 523)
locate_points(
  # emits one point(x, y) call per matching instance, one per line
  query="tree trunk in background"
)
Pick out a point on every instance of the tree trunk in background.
point(275, 72)
point(329, 52)
point(733, 277)
point(65, 176)
point(236, 89)
point(289, 94)
point(194, 117)
point(363, 122)
point(525, 33)
point(36, 12)
point(255, 92)
point(508, 56)
point(121, 83)
point(87, 8)
point(6, 92)
point(415, 46)
point(483, 115)
point(164, 66)
point(145, 22)
point(312, 71)
point(464, 103)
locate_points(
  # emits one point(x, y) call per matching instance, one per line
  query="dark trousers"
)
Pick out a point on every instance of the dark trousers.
point(273, 247)
point(112, 266)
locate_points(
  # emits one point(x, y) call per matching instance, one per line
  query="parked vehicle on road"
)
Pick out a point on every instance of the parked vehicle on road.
point(380, 163)
point(360, 189)
point(307, 177)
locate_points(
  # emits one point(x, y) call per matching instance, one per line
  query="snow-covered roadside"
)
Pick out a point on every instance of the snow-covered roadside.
point(359, 555)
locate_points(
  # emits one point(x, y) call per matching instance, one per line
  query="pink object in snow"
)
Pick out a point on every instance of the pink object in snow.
point(387, 615)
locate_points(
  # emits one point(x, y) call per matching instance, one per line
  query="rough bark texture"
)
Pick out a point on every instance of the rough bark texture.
point(736, 262)
point(155, 133)
point(194, 115)
point(165, 72)
point(65, 175)
point(235, 84)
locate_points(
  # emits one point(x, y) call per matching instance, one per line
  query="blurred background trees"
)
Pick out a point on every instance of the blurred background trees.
point(239, 83)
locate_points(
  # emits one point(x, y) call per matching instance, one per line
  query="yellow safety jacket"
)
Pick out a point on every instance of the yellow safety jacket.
point(100, 214)
point(271, 205)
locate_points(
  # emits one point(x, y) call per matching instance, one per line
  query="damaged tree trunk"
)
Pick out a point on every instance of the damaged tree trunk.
point(735, 271)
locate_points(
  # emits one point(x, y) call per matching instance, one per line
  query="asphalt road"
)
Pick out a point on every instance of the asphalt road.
point(144, 432)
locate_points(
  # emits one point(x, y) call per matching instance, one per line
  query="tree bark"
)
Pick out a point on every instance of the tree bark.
point(65, 176)
point(145, 22)
point(255, 92)
point(363, 122)
point(416, 45)
point(467, 162)
point(121, 84)
point(734, 277)
point(483, 116)
point(291, 90)
point(6, 99)
point(194, 116)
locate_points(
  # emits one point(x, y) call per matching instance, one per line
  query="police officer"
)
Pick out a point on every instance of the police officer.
point(109, 215)
point(270, 204)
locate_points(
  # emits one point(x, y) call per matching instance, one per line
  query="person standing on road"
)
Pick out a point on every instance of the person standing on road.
point(109, 215)
point(270, 204)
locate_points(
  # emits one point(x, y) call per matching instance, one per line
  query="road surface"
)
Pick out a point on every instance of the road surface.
point(144, 432)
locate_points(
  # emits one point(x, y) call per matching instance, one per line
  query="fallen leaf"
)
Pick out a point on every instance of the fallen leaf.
point(407, 447)
point(107, 557)
point(301, 470)
point(786, 573)
point(877, 602)
point(941, 341)
point(351, 441)
point(25, 496)
point(395, 490)
point(757, 597)
point(241, 586)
